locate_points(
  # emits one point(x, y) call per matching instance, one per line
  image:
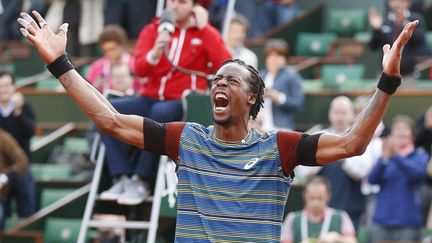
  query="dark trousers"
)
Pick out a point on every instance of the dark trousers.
point(118, 153)
point(23, 191)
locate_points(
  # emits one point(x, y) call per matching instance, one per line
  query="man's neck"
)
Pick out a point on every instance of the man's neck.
point(231, 133)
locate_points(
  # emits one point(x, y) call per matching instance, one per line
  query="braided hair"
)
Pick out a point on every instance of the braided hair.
point(256, 84)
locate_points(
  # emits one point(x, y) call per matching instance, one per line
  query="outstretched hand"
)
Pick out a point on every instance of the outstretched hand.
point(49, 44)
point(392, 55)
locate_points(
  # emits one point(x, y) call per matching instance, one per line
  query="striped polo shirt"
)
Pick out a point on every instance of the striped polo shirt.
point(229, 191)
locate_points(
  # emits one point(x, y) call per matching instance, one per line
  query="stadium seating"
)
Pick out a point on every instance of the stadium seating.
point(314, 44)
point(334, 76)
point(346, 22)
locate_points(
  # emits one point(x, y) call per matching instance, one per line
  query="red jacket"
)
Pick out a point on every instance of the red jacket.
point(201, 50)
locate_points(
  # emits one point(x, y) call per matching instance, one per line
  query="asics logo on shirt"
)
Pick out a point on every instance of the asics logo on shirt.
point(251, 163)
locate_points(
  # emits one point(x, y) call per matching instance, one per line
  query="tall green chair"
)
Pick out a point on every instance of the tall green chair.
point(59, 230)
point(338, 76)
point(76, 144)
point(314, 44)
point(346, 22)
point(7, 67)
point(48, 83)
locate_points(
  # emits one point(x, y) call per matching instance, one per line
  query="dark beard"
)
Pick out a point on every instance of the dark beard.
point(225, 122)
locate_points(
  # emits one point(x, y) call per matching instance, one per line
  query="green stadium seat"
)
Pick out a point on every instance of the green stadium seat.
point(314, 44)
point(51, 195)
point(362, 36)
point(429, 39)
point(7, 67)
point(48, 172)
point(11, 222)
point(346, 22)
point(59, 230)
point(363, 235)
point(49, 83)
point(197, 108)
point(78, 145)
point(336, 75)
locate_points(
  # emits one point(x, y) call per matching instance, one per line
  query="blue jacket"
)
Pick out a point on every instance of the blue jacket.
point(288, 82)
point(398, 202)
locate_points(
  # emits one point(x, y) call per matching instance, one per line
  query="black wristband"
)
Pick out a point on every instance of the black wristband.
point(388, 84)
point(60, 66)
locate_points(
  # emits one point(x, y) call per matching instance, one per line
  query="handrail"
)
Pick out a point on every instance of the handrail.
point(52, 136)
point(75, 195)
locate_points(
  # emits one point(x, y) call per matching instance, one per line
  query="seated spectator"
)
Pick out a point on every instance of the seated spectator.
point(194, 45)
point(270, 13)
point(112, 41)
point(13, 164)
point(18, 119)
point(317, 222)
point(283, 94)
point(122, 79)
point(399, 172)
point(386, 29)
point(235, 40)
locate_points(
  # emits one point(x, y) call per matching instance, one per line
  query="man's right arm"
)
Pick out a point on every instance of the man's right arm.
point(51, 46)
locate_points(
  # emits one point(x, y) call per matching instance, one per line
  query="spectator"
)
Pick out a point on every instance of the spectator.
point(270, 13)
point(424, 140)
point(85, 19)
point(13, 164)
point(283, 94)
point(317, 222)
point(132, 15)
point(112, 41)
point(9, 12)
point(17, 118)
point(346, 188)
point(194, 44)
point(399, 172)
point(235, 40)
point(386, 29)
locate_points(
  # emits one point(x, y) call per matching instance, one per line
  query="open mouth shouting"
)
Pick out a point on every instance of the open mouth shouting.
point(221, 102)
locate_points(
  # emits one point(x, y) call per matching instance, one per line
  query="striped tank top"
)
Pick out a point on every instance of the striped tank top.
point(229, 191)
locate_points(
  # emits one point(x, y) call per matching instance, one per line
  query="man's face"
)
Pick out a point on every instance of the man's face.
point(181, 8)
point(121, 78)
point(401, 134)
point(231, 95)
point(112, 50)
point(399, 5)
point(274, 61)
point(7, 89)
point(316, 197)
point(236, 34)
point(341, 115)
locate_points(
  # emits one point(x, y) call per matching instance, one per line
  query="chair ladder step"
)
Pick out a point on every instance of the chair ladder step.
point(123, 225)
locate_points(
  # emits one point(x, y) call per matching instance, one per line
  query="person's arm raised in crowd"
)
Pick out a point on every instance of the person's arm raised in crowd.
point(332, 147)
point(128, 128)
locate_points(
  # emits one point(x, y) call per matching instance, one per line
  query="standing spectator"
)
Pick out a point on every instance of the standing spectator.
point(235, 40)
point(132, 15)
point(112, 41)
point(386, 29)
point(424, 140)
point(399, 172)
point(13, 164)
point(85, 18)
point(270, 13)
point(9, 12)
point(17, 118)
point(283, 94)
point(193, 45)
point(317, 222)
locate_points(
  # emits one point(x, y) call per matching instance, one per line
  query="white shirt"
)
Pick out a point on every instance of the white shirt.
point(245, 55)
point(267, 112)
point(1, 8)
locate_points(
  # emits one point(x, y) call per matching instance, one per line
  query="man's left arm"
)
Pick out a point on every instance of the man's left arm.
point(332, 147)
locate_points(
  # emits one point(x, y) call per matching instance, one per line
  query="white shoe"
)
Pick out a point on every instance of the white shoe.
point(135, 192)
point(116, 189)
